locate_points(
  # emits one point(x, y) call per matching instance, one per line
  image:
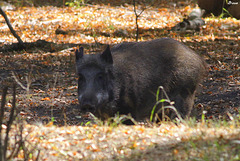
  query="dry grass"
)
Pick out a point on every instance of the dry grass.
point(216, 140)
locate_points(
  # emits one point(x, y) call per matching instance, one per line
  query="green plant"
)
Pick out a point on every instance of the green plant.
point(112, 121)
point(203, 116)
point(52, 119)
point(76, 3)
point(191, 122)
point(161, 98)
point(87, 123)
point(226, 12)
point(111, 27)
point(119, 119)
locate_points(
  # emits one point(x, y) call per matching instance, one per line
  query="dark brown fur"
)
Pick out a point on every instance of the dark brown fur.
point(133, 73)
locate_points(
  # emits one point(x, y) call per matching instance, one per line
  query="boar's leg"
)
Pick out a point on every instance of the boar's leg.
point(183, 103)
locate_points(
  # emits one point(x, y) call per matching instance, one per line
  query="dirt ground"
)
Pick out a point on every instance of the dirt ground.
point(48, 67)
point(53, 90)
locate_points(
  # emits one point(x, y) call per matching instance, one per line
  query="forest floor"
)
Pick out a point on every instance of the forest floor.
point(49, 107)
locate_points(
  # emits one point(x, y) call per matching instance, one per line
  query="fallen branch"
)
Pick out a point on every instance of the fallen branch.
point(11, 28)
point(193, 22)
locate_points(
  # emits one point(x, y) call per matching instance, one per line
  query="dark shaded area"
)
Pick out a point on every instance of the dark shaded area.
point(217, 7)
point(218, 94)
point(39, 45)
point(69, 115)
point(45, 64)
point(48, 71)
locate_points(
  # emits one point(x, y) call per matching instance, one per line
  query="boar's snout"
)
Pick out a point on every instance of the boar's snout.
point(87, 104)
point(87, 108)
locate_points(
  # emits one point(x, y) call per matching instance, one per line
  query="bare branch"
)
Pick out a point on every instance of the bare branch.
point(18, 82)
point(10, 121)
point(28, 80)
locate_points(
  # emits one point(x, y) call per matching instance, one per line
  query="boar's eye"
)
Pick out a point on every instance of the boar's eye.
point(80, 78)
point(100, 77)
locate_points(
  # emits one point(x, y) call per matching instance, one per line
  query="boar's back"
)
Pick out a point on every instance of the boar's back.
point(140, 68)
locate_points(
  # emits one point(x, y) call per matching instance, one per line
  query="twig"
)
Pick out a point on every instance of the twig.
point(10, 121)
point(214, 59)
point(18, 82)
point(18, 144)
point(28, 79)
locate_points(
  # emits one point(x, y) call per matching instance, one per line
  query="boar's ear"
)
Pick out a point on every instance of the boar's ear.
point(107, 56)
point(79, 53)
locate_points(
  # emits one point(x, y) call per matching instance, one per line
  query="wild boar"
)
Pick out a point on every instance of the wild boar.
point(125, 78)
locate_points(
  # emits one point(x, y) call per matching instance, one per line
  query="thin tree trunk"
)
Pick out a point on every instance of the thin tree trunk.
point(136, 18)
point(137, 30)
point(11, 28)
point(3, 102)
